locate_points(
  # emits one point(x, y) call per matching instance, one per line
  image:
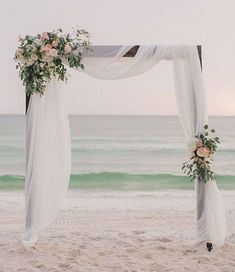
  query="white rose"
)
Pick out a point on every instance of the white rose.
point(67, 48)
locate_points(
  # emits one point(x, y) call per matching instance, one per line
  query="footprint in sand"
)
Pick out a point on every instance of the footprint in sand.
point(12, 250)
point(53, 269)
point(147, 256)
point(83, 247)
point(130, 250)
point(65, 265)
point(101, 253)
point(188, 251)
point(138, 232)
point(74, 253)
point(161, 247)
point(25, 270)
point(164, 240)
point(36, 264)
point(203, 260)
point(96, 238)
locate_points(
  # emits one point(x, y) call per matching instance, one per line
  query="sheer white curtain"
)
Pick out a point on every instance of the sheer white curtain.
point(48, 160)
point(192, 110)
point(111, 65)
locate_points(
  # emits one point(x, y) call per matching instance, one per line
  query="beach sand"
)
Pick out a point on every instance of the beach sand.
point(115, 231)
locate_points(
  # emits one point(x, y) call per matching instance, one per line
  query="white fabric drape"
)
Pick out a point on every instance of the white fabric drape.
point(111, 65)
point(191, 103)
point(48, 160)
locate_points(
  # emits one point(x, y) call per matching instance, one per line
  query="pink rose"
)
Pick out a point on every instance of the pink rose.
point(46, 48)
point(203, 152)
point(207, 152)
point(67, 48)
point(45, 36)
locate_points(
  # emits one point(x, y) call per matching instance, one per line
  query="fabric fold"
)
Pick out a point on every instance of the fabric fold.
point(48, 160)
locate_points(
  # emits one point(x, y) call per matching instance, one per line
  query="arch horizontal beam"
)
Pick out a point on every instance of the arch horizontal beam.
point(130, 54)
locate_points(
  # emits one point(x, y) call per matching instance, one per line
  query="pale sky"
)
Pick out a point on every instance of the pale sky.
point(210, 23)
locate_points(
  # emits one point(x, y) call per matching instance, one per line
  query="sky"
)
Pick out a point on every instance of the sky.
point(125, 22)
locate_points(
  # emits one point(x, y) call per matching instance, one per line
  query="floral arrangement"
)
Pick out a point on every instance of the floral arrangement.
point(40, 57)
point(201, 150)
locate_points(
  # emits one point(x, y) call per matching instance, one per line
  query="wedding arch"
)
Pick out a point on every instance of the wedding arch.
point(48, 149)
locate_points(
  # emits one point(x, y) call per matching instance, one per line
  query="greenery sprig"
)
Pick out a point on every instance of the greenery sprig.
point(40, 57)
point(201, 150)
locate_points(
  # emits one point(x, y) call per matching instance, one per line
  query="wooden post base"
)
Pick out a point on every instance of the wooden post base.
point(209, 246)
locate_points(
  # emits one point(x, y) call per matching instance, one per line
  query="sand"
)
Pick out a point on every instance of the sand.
point(115, 231)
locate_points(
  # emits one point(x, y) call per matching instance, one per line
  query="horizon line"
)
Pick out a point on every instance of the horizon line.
point(115, 114)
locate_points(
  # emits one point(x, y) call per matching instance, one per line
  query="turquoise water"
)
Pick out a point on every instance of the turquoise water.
point(121, 152)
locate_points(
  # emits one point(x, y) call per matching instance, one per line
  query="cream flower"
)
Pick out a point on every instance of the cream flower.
point(34, 57)
point(67, 49)
point(47, 58)
point(19, 52)
point(55, 43)
point(22, 60)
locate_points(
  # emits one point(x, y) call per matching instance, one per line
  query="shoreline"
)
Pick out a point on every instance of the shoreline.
point(123, 182)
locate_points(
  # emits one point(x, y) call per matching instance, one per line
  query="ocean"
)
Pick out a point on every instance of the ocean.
point(121, 152)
